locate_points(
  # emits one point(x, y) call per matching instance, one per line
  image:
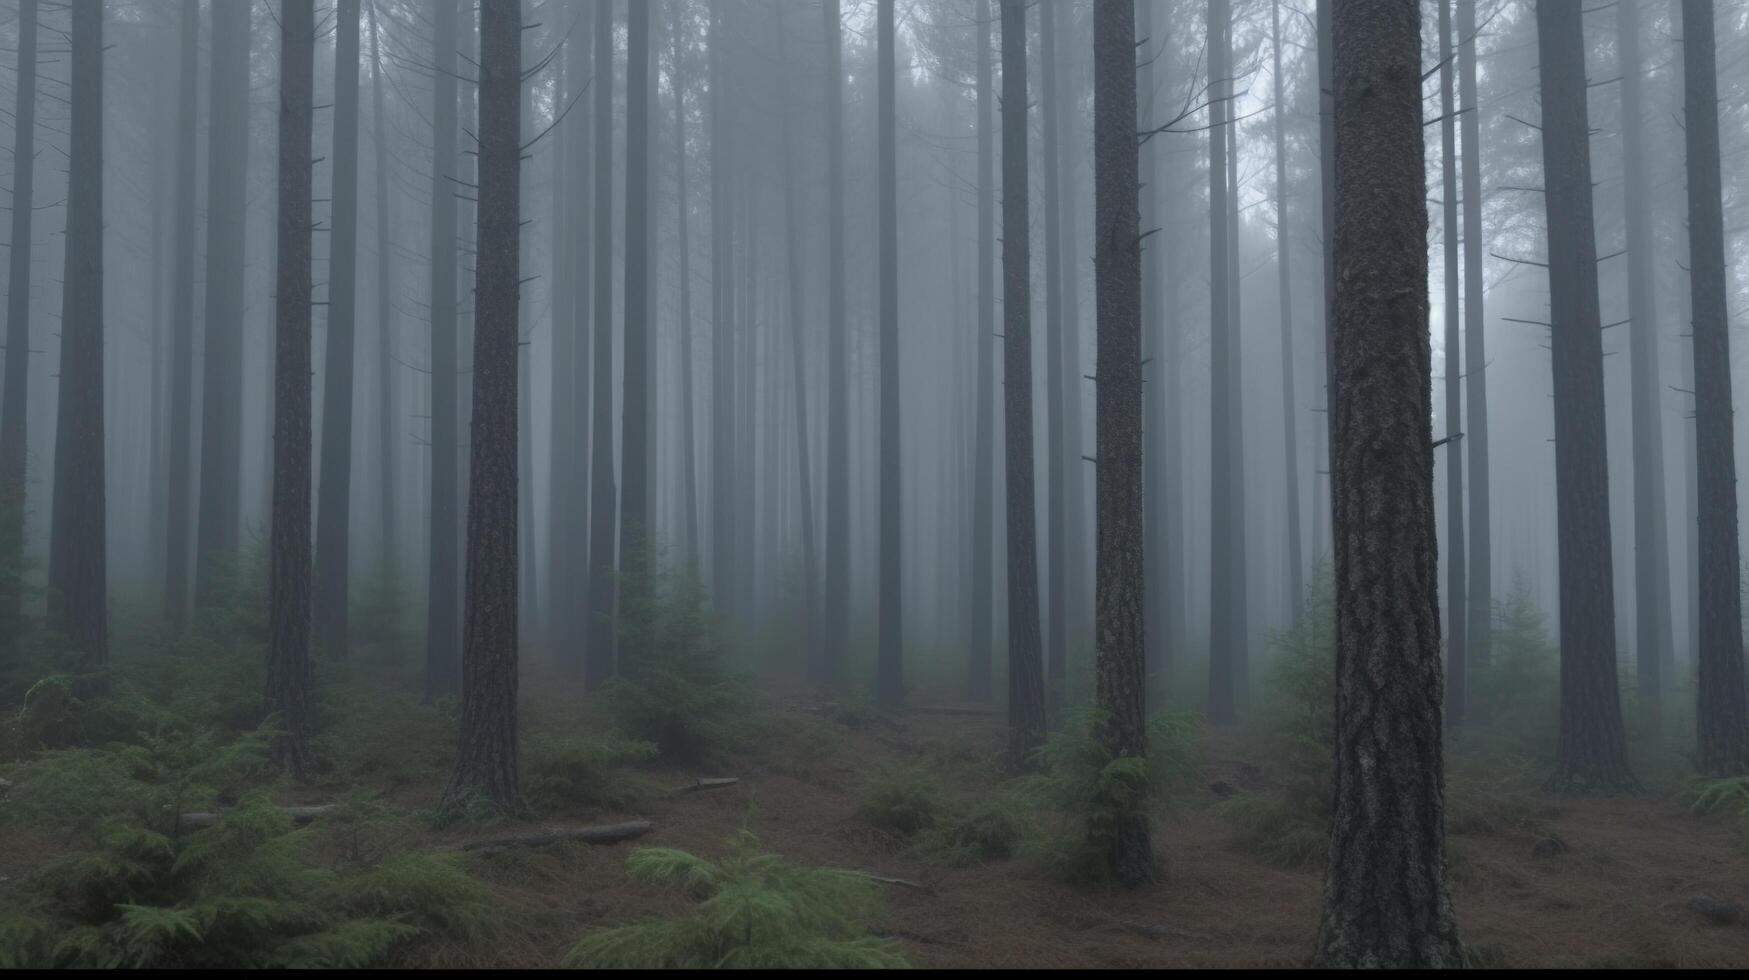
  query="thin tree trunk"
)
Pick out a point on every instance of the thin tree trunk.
point(1056, 446)
point(798, 360)
point(688, 438)
point(1721, 720)
point(14, 410)
point(1385, 898)
point(603, 505)
point(634, 528)
point(1284, 296)
point(1026, 683)
point(1122, 663)
point(1457, 615)
point(176, 572)
point(723, 458)
point(221, 429)
point(334, 500)
point(1479, 556)
point(979, 684)
point(836, 641)
point(528, 612)
point(889, 673)
point(485, 764)
point(289, 680)
point(389, 446)
point(1224, 638)
point(1591, 753)
point(442, 644)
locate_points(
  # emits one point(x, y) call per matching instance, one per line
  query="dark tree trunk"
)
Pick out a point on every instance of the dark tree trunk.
point(79, 486)
point(1225, 629)
point(14, 410)
point(1026, 683)
point(1457, 615)
point(1651, 535)
point(1385, 898)
point(1591, 753)
point(979, 684)
point(442, 644)
point(889, 671)
point(528, 609)
point(1327, 189)
point(836, 640)
point(1721, 721)
point(1056, 349)
point(1284, 294)
point(176, 537)
point(388, 445)
point(288, 589)
point(603, 506)
point(635, 553)
point(1479, 557)
point(485, 764)
point(683, 206)
point(1117, 257)
point(221, 428)
point(334, 499)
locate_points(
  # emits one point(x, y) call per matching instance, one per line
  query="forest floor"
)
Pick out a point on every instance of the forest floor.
point(1616, 895)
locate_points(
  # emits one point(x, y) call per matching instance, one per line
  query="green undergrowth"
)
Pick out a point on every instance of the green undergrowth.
point(751, 910)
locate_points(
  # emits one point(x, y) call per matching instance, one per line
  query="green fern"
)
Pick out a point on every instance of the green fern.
point(593, 770)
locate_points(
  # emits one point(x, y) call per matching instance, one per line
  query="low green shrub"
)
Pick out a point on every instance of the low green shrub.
point(754, 911)
point(903, 802)
point(593, 770)
point(1727, 796)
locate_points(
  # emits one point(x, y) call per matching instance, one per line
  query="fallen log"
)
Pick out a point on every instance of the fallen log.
point(700, 785)
point(604, 834)
point(899, 882)
point(298, 814)
point(953, 709)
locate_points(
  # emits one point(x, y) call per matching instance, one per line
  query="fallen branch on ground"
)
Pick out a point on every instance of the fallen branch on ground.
point(298, 814)
point(900, 882)
point(700, 785)
point(604, 834)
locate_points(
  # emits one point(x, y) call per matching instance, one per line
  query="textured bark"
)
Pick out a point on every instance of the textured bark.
point(603, 491)
point(387, 472)
point(1224, 627)
point(1026, 686)
point(79, 437)
point(1385, 898)
point(889, 669)
point(1056, 446)
point(1457, 615)
point(334, 499)
point(1652, 643)
point(634, 506)
point(14, 409)
point(176, 522)
point(1479, 552)
point(528, 608)
point(442, 643)
point(1591, 752)
point(1327, 195)
point(1284, 296)
point(836, 639)
point(979, 684)
point(485, 763)
point(288, 588)
point(221, 428)
point(1119, 583)
point(1721, 721)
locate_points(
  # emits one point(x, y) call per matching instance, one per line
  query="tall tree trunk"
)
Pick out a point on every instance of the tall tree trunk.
point(442, 644)
point(979, 684)
point(389, 445)
point(1385, 898)
point(1122, 666)
point(334, 499)
point(1327, 198)
point(603, 501)
point(79, 438)
point(485, 763)
point(1026, 683)
point(636, 556)
point(836, 641)
point(1224, 627)
point(1651, 536)
point(221, 428)
point(799, 375)
point(1721, 721)
point(1457, 615)
point(1284, 296)
point(1591, 753)
point(528, 611)
point(1150, 25)
point(1056, 446)
point(889, 673)
point(14, 410)
point(723, 458)
point(688, 438)
point(181, 316)
point(288, 653)
point(1479, 556)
